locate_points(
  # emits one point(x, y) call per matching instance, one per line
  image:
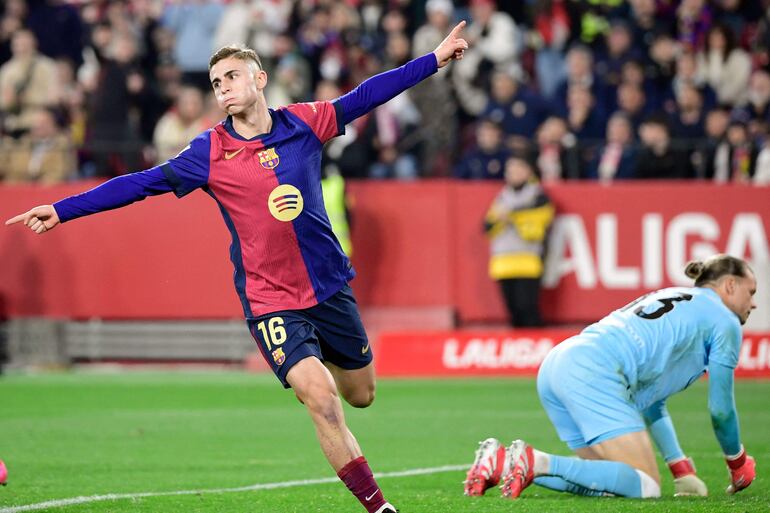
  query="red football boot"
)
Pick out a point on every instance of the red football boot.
point(521, 474)
point(487, 468)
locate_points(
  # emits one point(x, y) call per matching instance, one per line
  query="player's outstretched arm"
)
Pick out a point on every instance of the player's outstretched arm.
point(40, 219)
point(380, 88)
point(452, 47)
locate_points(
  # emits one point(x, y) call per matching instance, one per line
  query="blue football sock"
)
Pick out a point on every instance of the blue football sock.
point(605, 476)
point(560, 485)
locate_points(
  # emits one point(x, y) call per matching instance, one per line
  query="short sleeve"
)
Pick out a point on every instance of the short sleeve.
point(726, 343)
point(321, 117)
point(189, 170)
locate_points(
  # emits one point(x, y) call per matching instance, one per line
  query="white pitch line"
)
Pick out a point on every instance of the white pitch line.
point(59, 503)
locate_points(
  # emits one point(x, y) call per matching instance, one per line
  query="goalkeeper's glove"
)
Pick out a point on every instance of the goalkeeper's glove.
point(685, 481)
point(742, 471)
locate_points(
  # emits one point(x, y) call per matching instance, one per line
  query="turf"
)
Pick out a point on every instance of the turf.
point(83, 434)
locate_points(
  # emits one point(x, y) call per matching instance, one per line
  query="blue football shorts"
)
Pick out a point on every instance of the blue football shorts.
point(585, 394)
point(331, 331)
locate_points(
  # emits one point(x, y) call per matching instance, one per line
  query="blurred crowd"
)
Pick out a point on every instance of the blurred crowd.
point(588, 89)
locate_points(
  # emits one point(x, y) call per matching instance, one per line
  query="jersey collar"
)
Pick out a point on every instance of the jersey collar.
point(228, 124)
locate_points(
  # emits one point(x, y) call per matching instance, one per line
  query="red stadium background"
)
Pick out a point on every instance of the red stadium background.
point(416, 245)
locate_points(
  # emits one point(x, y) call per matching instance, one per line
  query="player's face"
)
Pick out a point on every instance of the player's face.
point(741, 297)
point(237, 84)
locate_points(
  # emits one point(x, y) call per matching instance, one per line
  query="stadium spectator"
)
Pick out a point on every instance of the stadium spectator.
point(606, 400)
point(395, 122)
point(632, 103)
point(14, 13)
point(58, 29)
point(645, 24)
point(757, 107)
point(194, 23)
point(289, 72)
point(659, 158)
point(687, 74)
point(760, 45)
point(633, 72)
point(27, 83)
point(580, 73)
point(557, 153)
point(662, 66)
point(433, 97)
point(736, 155)
point(517, 224)
point(617, 159)
point(180, 125)
point(350, 153)
point(516, 108)
point(44, 155)
point(309, 333)
point(693, 21)
point(493, 34)
point(321, 45)
point(716, 125)
point(255, 23)
point(113, 138)
point(486, 160)
point(553, 22)
point(496, 44)
point(618, 50)
point(689, 118)
point(725, 66)
point(585, 115)
point(213, 113)
point(738, 15)
point(439, 17)
point(71, 103)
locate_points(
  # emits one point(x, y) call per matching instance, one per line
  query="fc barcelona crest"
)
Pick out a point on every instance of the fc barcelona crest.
point(278, 356)
point(268, 158)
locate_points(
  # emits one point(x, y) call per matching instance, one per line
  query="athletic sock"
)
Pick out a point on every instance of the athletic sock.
point(542, 465)
point(605, 476)
point(358, 477)
point(561, 485)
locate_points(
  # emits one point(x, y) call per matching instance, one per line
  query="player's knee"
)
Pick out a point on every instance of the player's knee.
point(650, 487)
point(361, 398)
point(322, 402)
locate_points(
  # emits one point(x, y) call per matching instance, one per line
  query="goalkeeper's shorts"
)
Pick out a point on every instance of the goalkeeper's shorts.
point(585, 395)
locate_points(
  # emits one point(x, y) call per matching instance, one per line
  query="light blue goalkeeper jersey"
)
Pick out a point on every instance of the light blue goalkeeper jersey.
point(665, 340)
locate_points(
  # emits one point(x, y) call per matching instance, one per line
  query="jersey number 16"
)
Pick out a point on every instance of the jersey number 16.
point(273, 332)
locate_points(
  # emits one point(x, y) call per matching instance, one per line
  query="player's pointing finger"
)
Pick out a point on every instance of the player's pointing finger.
point(16, 219)
point(457, 29)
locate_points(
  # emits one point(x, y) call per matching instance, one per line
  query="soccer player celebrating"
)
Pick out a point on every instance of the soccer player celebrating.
point(262, 167)
point(606, 387)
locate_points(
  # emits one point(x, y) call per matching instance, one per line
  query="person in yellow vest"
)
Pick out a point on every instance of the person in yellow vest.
point(335, 200)
point(517, 224)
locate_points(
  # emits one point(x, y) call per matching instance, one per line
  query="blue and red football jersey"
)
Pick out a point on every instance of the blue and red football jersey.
point(268, 189)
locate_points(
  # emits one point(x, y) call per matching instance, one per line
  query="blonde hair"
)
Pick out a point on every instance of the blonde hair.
point(713, 268)
point(237, 52)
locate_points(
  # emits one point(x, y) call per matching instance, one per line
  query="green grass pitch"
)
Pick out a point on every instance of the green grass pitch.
point(83, 434)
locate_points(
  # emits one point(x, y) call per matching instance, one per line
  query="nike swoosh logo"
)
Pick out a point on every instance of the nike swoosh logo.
point(375, 492)
point(229, 155)
point(365, 350)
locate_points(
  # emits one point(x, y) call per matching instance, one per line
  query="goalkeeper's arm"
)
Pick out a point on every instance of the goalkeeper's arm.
point(658, 421)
